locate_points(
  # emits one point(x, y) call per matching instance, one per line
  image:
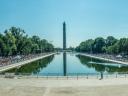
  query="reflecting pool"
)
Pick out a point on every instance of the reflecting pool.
point(69, 64)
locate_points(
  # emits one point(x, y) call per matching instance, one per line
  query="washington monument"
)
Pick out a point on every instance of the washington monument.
point(64, 49)
point(64, 36)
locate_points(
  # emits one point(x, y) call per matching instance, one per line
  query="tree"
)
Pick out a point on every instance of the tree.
point(20, 37)
point(114, 49)
point(126, 46)
point(86, 46)
point(2, 45)
point(110, 41)
point(99, 43)
point(122, 45)
point(10, 45)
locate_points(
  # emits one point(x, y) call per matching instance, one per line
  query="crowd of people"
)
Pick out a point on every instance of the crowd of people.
point(113, 57)
point(4, 61)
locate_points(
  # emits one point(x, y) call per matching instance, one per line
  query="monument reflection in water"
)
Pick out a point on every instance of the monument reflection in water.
point(64, 63)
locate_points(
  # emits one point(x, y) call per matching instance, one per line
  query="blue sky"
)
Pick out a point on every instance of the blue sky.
point(84, 18)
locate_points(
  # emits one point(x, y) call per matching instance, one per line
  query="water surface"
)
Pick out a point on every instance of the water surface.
point(69, 64)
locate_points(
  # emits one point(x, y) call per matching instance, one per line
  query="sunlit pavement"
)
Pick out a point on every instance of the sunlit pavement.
point(41, 87)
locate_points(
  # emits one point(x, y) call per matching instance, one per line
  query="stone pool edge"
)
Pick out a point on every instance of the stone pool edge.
point(4, 68)
point(101, 58)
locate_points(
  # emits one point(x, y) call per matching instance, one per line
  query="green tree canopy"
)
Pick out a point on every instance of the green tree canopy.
point(15, 41)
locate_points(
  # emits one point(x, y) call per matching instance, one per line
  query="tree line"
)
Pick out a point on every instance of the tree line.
point(110, 45)
point(15, 41)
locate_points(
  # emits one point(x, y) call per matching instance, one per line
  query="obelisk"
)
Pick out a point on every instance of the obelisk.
point(64, 36)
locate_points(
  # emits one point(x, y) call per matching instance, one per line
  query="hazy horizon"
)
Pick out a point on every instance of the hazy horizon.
point(85, 19)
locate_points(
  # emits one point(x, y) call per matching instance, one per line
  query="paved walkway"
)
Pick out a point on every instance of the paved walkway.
point(39, 87)
point(4, 68)
point(101, 58)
